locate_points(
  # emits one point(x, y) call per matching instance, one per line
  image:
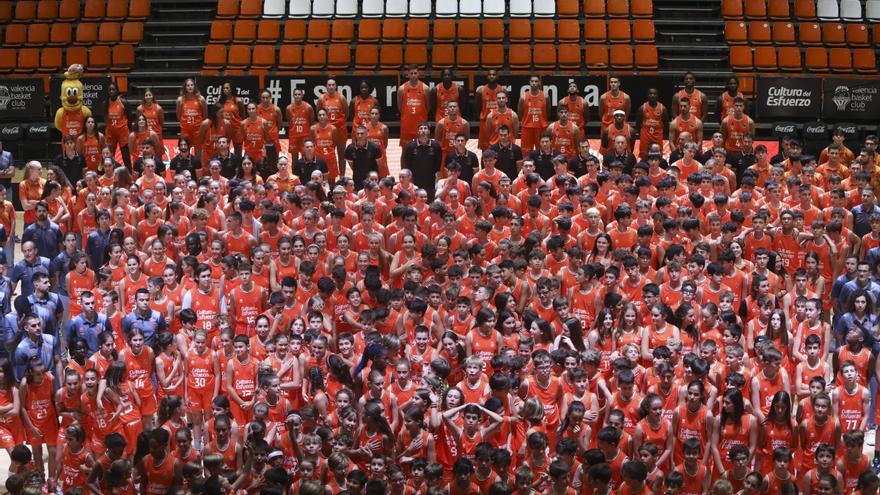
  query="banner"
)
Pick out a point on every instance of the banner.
point(246, 87)
point(94, 95)
point(787, 98)
point(817, 135)
point(555, 87)
point(21, 99)
point(851, 99)
point(384, 89)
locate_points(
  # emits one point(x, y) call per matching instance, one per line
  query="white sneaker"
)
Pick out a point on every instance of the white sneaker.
point(871, 437)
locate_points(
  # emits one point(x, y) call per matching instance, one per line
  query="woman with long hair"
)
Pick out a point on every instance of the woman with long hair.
point(693, 417)
point(777, 430)
point(39, 416)
point(154, 114)
point(11, 430)
point(58, 212)
point(192, 110)
point(212, 128)
point(601, 252)
point(375, 434)
point(140, 134)
point(89, 144)
point(233, 105)
point(601, 338)
point(628, 330)
point(736, 426)
point(654, 428)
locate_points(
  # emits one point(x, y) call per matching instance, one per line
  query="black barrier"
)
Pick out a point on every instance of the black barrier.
point(851, 99)
point(11, 132)
point(816, 137)
point(787, 98)
point(851, 136)
point(94, 95)
point(22, 99)
point(786, 129)
point(384, 89)
point(555, 87)
point(246, 87)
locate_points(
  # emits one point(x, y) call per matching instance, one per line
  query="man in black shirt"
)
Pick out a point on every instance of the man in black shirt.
point(71, 161)
point(543, 158)
point(467, 160)
point(746, 157)
point(309, 162)
point(422, 157)
point(578, 164)
point(620, 153)
point(362, 156)
point(510, 155)
point(185, 160)
point(228, 160)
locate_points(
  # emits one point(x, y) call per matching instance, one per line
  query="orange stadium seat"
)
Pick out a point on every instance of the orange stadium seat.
point(100, 57)
point(47, 10)
point(117, 10)
point(765, 58)
point(833, 34)
point(25, 10)
point(416, 53)
point(5, 15)
point(133, 32)
point(108, 33)
point(641, 8)
point(736, 32)
point(759, 33)
point(568, 8)
point(444, 30)
point(294, 30)
point(7, 60)
point(76, 55)
point(123, 57)
point(86, 33)
point(621, 57)
point(50, 59)
point(755, 9)
point(371, 29)
point(816, 59)
point(339, 56)
point(778, 9)
point(810, 33)
point(840, 60)
point(366, 56)
point(790, 58)
point(139, 10)
point(520, 30)
point(545, 56)
point(467, 56)
point(393, 29)
point(239, 57)
point(619, 31)
point(28, 60)
point(567, 30)
point(269, 31)
point(469, 30)
point(227, 9)
point(221, 30)
point(643, 30)
point(319, 30)
point(805, 10)
point(290, 56)
point(16, 34)
point(519, 56)
point(732, 9)
point(94, 10)
point(264, 57)
point(646, 57)
point(856, 34)
point(596, 56)
point(493, 29)
point(864, 60)
point(783, 33)
point(251, 9)
point(417, 30)
point(443, 55)
point(617, 8)
point(246, 30)
point(569, 56)
point(594, 8)
point(741, 58)
point(38, 34)
point(215, 56)
point(314, 56)
point(543, 29)
point(69, 10)
point(60, 34)
point(594, 31)
point(492, 56)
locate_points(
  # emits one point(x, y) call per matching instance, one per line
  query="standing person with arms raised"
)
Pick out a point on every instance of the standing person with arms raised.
point(533, 105)
point(300, 117)
point(336, 107)
point(613, 99)
point(413, 104)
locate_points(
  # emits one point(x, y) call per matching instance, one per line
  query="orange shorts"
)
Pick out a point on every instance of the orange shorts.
point(131, 431)
point(199, 399)
point(483, 141)
point(116, 136)
point(7, 440)
point(407, 136)
point(191, 132)
point(241, 416)
point(149, 406)
point(48, 432)
point(531, 138)
point(295, 145)
point(341, 132)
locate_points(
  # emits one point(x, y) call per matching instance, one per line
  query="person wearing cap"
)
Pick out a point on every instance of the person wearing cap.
point(619, 127)
point(543, 158)
point(423, 157)
point(510, 155)
point(465, 160)
point(362, 156)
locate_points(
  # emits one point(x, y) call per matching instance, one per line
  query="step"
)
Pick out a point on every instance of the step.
point(172, 37)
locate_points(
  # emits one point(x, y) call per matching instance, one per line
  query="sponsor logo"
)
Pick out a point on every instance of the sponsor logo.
point(11, 131)
point(841, 97)
point(788, 97)
point(816, 129)
point(848, 130)
point(5, 97)
point(784, 128)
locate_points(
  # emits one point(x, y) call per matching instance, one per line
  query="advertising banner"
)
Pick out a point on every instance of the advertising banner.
point(851, 99)
point(246, 87)
point(21, 99)
point(787, 98)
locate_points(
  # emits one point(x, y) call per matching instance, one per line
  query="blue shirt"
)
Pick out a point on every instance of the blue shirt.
point(872, 288)
point(88, 330)
point(47, 350)
point(865, 324)
point(861, 219)
point(96, 244)
point(58, 269)
point(48, 238)
point(150, 325)
point(48, 310)
point(8, 328)
point(23, 271)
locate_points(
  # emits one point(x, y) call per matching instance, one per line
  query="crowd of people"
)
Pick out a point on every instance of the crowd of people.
point(544, 318)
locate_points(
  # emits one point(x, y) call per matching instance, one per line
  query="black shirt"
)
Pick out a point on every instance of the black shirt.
point(468, 162)
point(543, 164)
point(72, 166)
point(507, 158)
point(628, 160)
point(676, 155)
point(363, 161)
point(304, 168)
point(228, 165)
point(423, 160)
point(179, 164)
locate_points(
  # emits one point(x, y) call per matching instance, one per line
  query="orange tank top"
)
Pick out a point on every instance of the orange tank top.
point(376, 135)
point(612, 103)
point(850, 410)
point(489, 100)
point(192, 112)
point(534, 110)
point(244, 378)
point(652, 122)
point(248, 305)
point(736, 129)
point(140, 369)
point(201, 370)
point(444, 96)
point(72, 123)
point(362, 107)
point(575, 108)
point(696, 99)
point(91, 151)
point(335, 109)
point(270, 115)
point(230, 109)
point(116, 117)
point(451, 128)
point(206, 307)
point(415, 105)
point(562, 139)
point(151, 113)
point(499, 119)
point(325, 146)
point(300, 118)
point(160, 477)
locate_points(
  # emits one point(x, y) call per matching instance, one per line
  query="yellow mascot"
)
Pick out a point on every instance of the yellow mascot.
point(70, 119)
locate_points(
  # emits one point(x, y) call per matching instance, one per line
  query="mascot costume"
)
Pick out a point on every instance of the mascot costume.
point(70, 119)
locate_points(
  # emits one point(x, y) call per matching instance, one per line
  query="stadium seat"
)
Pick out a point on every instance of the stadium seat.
point(643, 30)
point(519, 56)
point(567, 8)
point(783, 33)
point(16, 34)
point(619, 31)
point(371, 29)
point(299, 9)
point(420, 8)
point(765, 58)
point(221, 30)
point(80, 55)
point(467, 56)
point(366, 57)
point(122, 57)
point(246, 30)
point(641, 9)
point(139, 10)
point(735, 32)
point(545, 8)
point(444, 30)
point(391, 56)
point(518, 8)
point(543, 30)
point(805, 10)
point(396, 8)
point(864, 60)
point(7, 60)
point(569, 56)
point(29, 60)
point(493, 29)
point(314, 56)
point(755, 9)
point(840, 60)
point(47, 10)
point(856, 35)
point(86, 33)
point(446, 8)
point(25, 11)
point(228, 9)
point(415, 53)
point(778, 9)
point(732, 9)
point(790, 59)
point(117, 10)
point(851, 10)
point(69, 10)
point(833, 34)
point(417, 30)
point(646, 57)
point(61, 33)
point(617, 8)
point(492, 56)
point(133, 32)
point(816, 59)
point(872, 10)
point(594, 8)
point(545, 56)
point(759, 33)
point(251, 9)
point(319, 30)
point(443, 56)
point(290, 57)
point(518, 30)
point(50, 59)
point(568, 30)
point(468, 9)
point(323, 9)
point(342, 30)
point(469, 30)
point(295, 30)
point(269, 31)
point(6, 15)
point(621, 57)
point(827, 10)
point(239, 57)
point(594, 31)
point(274, 9)
point(38, 34)
point(373, 8)
point(108, 33)
point(810, 33)
point(94, 10)
point(264, 58)
point(741, 58)
point(100, 57)
point(339, 56)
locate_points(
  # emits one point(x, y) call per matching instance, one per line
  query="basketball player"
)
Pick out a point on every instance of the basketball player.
point(578, 108)
point(699, 101)
point(501, 115)
point(414, 105)
point(337, 115)
point(725, 101)
point(690, 124)
point(613, 99)
point(735, 126)
point(300, 117)
point(533, 105)
point(486, 101)
point(443, 93)
point(564, 135)
point(448, 127)
point(651, 119)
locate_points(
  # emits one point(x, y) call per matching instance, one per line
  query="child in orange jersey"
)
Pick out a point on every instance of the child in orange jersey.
point(654, 428)
point(560, 479)
point(39, 416)
point(850, 400)
point(634, 474)
point(854, 461)
point(824, 475)
point(76, 460)
point(695, 475)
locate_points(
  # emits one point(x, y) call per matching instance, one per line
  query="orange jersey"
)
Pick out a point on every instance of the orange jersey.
point(575, 109)
point(325, 145)
point(415, 106)
point(612, 103)
point(230, 110)
point(254, 138)
point(562, 139)
point(499, 119)
point(335, 107)
point(362, 107)
point(652, 123)
point(151, 113)
point(684, 125)
point(450, 129)
point(248, 305)
point(72, 123)
point(736, 129)
point(191, 112)
point(489, 100)
point(534, 110)
point(206, 308)
point(444, 96)
point(727, 103)
point(116, 117)
point(91, 150)
point(270, 115)
point(696, 99)
point(300, 118)
point(376, 135)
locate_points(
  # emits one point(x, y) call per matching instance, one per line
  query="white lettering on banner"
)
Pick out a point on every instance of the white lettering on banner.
point(778, 96)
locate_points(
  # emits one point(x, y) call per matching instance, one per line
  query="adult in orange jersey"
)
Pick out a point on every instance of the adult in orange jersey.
point(533, 106)
point(725, 101)
point(501, 115)
point(337, 114)
point(116, 131)
point(443, 93)
point(611, 100)
point(578, 107)
point(211, 131)
point(361, 105)
point(89, 144)
point(300, 117)
point(564, 134)
point(651, 119)
point(414, 105)
point(324, 136)
point(699, 101)
point(450, 126)
point(620, 127)
point(377, 133)
point(140, 134)
point(154, 112)
point(192, 110)
point(271, 114)
point(735, 127)
point(254, 134)
point(234, 110)
point(485, 99)
point(205, 300)
point(685, 122)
